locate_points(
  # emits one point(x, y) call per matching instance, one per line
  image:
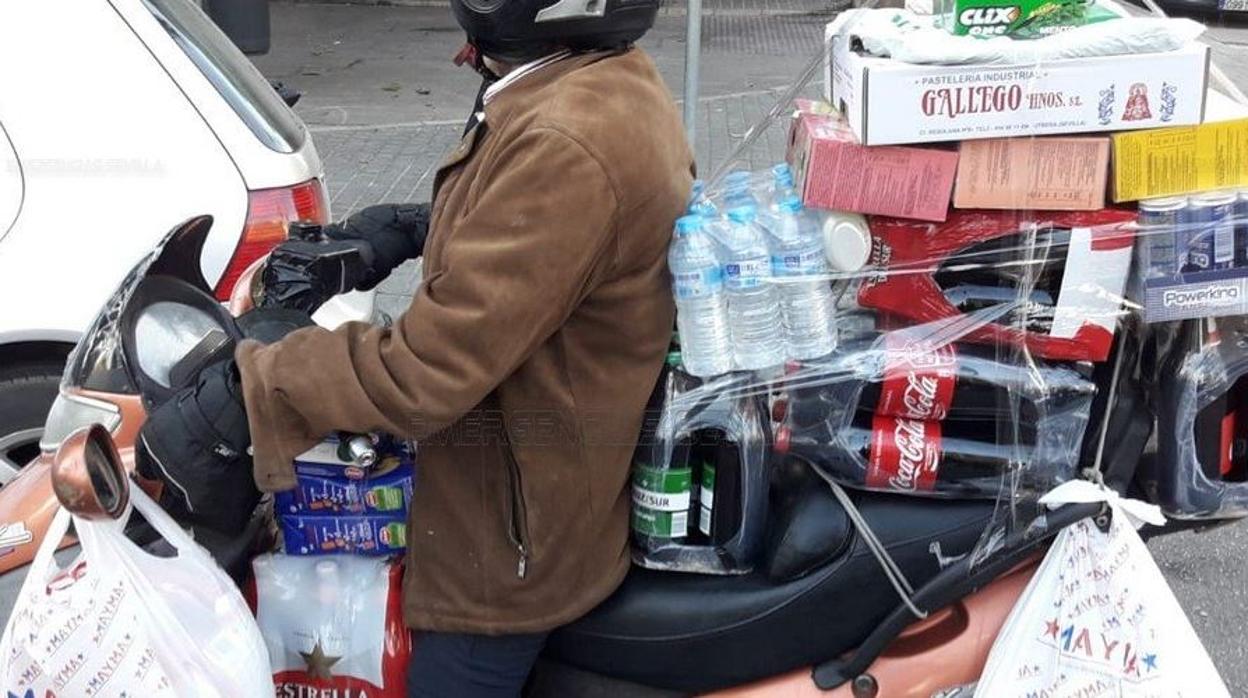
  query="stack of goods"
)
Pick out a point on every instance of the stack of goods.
point(1191, 185)
point(338, 506)
point(924, 300)
point(750, 265)
point(329, 607)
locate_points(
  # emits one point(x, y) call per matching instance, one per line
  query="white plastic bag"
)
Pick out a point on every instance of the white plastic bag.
point(911, 38)
point(121, 622)
point(1098, 619)
point(333, 625)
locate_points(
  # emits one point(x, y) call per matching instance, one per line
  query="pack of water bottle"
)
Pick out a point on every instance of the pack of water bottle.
point(754, 274)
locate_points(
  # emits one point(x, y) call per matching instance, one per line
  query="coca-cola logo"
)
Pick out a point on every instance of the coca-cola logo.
point(918, 380)
point(919, 398)
point(914, 454)
point(921, 355)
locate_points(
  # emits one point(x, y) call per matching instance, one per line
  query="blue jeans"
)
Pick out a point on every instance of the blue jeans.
point(471, 666)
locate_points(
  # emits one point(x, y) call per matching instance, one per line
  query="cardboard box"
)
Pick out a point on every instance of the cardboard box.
point(343, 535)
point(1172, 161)
point(833, 171)
point(890, 102)
point(1163, 292)
point(1054, 173)
point(1214, 293)
point(324, 489)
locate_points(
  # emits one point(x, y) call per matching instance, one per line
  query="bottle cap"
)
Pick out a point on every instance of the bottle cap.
point(703, 208)
point(791, 203)
point(688, 224)
point(783, 174)
point(737, 178)
point(779, 410)
point(742, 214)
point(784, 438)
point(326, 568)
point(304, 230)
point(847, 246)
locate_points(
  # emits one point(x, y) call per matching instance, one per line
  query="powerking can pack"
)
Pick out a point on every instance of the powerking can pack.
point(1209, 221)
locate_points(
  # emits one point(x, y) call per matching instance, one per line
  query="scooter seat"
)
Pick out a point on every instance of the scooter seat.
point(697, 633)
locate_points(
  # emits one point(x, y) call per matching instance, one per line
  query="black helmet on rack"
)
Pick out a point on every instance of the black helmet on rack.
point(522, 30)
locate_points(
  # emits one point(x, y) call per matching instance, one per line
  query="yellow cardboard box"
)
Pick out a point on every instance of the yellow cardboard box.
point(1171, 161)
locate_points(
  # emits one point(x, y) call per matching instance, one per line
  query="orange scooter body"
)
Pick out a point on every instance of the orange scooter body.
point(29, 500)
point(947, 649)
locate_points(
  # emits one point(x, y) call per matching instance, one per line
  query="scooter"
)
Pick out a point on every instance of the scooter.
point(826, 622)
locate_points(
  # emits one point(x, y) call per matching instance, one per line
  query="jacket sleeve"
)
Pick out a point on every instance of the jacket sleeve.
point(538, 236)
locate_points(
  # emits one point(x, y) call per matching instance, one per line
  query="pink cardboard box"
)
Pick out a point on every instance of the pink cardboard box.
point(835, 171)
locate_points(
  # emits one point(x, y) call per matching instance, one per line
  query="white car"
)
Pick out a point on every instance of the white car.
point(118, 120)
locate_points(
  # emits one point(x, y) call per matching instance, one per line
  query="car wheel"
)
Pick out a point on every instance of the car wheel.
point(26, 395)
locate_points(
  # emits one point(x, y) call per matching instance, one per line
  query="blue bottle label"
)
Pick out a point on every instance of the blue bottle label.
point(746, 273)
point(802, 263)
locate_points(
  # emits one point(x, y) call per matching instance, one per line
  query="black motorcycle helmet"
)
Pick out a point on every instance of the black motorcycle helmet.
point(517, 31)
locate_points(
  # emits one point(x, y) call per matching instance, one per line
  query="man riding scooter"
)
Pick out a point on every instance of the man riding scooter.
point(533, 342)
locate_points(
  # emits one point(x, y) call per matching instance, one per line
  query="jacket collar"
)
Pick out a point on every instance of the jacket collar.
point(520, 72)
point(501, 102)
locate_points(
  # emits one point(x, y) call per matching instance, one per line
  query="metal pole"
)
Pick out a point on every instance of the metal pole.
point(693, 52)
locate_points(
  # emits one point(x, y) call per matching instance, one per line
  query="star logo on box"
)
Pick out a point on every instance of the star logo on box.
point(319, 663)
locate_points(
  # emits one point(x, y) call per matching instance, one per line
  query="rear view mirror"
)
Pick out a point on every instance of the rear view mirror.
point(88, 477)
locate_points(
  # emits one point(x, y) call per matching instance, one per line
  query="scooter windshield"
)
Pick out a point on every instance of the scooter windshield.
point(98, 362)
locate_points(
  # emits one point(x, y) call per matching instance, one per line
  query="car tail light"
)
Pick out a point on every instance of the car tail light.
point(269, 211)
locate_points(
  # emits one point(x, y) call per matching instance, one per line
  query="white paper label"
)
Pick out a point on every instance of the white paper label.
point(660, 501)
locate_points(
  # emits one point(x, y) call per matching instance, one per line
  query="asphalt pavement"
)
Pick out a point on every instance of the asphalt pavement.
point(384, 103)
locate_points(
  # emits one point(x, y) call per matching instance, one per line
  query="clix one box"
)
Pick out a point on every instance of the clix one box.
point(890, 102)
point(834, 171)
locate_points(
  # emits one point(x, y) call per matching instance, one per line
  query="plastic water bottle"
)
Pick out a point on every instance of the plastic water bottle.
point(696, 193)
point(739, 189)
point(701, 303)
point(774, 186)
point(754, 324)
point(801, 271)
point(782, 186)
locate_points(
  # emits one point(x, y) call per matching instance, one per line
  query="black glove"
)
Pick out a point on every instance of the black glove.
point(394, 232)
point(301, 274)
point(196, 443)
